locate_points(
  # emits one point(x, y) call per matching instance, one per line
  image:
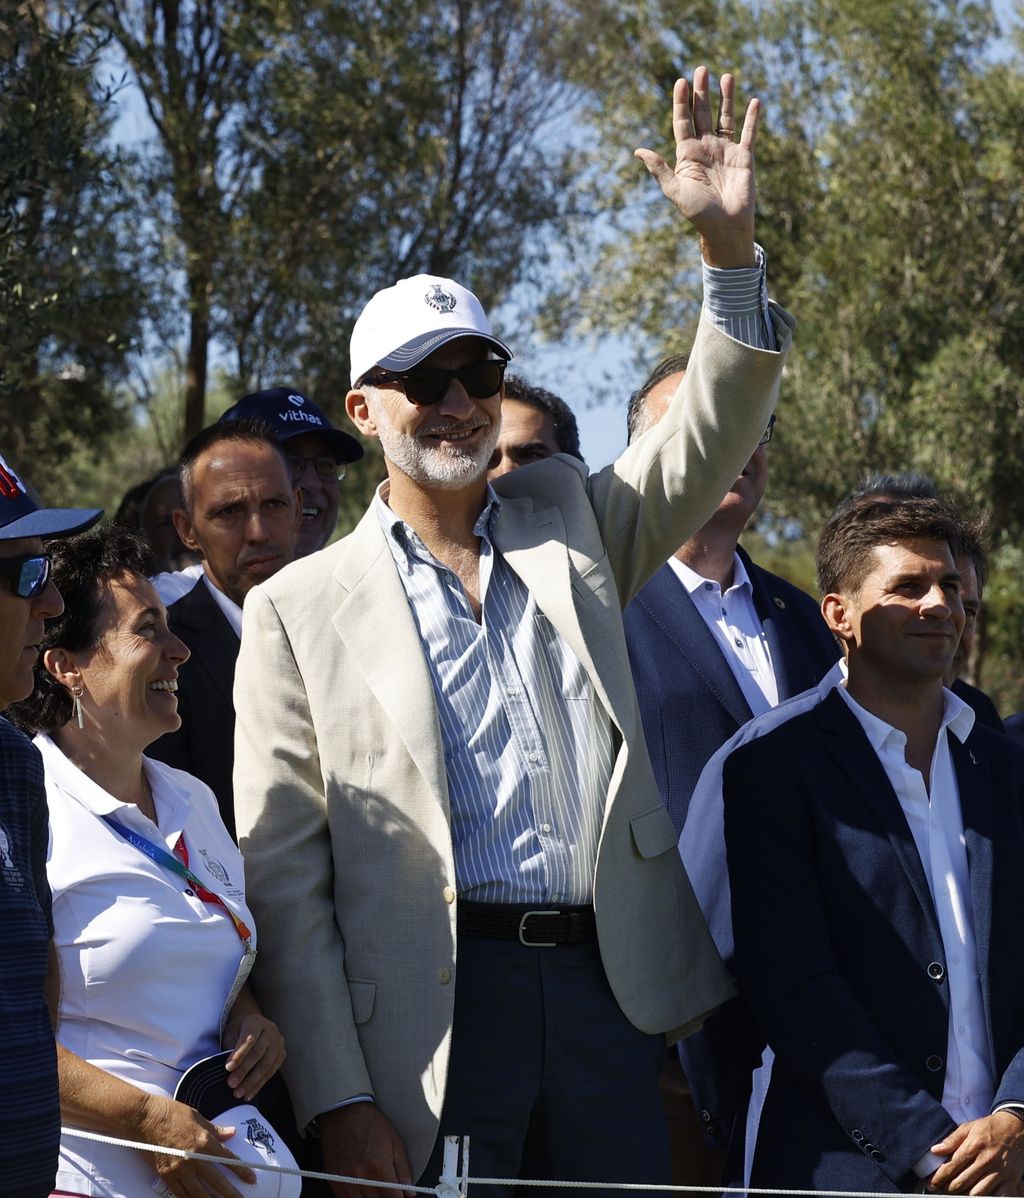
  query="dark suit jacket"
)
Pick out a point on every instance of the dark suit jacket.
point(691, 704)
point(690, 701)
point(839, 952)
point(204, 745)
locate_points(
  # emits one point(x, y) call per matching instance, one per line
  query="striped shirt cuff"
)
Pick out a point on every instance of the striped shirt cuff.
point(737, 302)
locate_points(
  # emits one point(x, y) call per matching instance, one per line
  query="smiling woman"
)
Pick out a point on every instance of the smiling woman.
point(147, 886)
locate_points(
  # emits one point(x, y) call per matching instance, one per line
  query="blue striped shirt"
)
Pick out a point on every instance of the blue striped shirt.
point(527, 745)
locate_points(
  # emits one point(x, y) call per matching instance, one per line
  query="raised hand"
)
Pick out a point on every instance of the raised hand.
point(712, 184)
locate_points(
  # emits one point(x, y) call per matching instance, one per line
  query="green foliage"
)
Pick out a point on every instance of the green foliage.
point(890, 204)
point(69, 305)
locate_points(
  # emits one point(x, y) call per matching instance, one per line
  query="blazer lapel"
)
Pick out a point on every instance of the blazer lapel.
point(210, 637)
point(693, 639)
point(376, 624)
point(534, 544)
point(974, 780)
point(854, 755)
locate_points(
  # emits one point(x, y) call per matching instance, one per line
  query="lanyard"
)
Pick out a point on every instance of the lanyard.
point(162, 857)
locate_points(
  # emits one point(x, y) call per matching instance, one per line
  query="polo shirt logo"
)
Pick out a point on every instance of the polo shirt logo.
point(215, 868)
point(10, 874)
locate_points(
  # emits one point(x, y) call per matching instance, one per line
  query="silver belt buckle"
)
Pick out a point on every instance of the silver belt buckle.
point(535, 943)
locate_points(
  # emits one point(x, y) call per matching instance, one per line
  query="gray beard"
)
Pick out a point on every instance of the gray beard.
point(447, 468)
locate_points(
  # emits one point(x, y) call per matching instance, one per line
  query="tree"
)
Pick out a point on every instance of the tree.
point(302, 163)
point(69, 305)
point(890, 205)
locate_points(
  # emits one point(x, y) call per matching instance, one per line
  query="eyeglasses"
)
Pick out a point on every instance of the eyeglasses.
point(327, 469)
point(768, 431)
point(425, 385)
point(27, 575)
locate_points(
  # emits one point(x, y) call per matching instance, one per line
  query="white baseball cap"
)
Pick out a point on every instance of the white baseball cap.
point(204, 1086)
point(402, 324)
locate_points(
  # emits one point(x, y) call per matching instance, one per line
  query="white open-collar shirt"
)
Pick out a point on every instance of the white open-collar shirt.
point(937, 826)
point(146, 965)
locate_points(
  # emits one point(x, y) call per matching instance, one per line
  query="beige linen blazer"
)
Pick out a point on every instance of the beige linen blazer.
point(340, 788)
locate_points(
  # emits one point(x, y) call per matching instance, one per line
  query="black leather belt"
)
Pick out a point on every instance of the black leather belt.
point(534, 927)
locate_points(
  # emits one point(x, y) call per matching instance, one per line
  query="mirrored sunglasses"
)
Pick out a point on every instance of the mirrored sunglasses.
point(27, 575)
point(424, 385)
point(327, 469)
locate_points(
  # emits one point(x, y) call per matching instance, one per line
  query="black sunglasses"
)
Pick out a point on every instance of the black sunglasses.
point(425, 385)
point(768, 431)
point(327, 469)
point(27, 575)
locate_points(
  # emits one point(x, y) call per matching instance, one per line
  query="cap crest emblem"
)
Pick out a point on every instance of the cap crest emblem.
point(440, 299)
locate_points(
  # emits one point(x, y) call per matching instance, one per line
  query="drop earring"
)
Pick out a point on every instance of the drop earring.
point(77, 692)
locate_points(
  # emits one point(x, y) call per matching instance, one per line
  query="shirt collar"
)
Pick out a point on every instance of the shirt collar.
point(694, 581)
point(172, 800)
point(232, 612)
point(405, 543)
point(957, 717)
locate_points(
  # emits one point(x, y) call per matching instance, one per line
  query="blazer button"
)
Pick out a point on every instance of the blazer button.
point(858, 1136)
point(936, 972)
point(706, 1116)
point(444, 976)
point(448, 894)
point(933, 1064)
point(869, 1148)
point(877, 1156)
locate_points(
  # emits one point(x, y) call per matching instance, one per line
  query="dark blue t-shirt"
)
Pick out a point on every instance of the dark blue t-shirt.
point(29, 1102)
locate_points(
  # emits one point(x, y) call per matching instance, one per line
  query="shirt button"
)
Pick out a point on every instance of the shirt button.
point(709, 586)
point(512, 690)
point(738, 643)
point(444, 976)
point(545, 827)
point(448, 894)
point(190, 893)
point(533, 757)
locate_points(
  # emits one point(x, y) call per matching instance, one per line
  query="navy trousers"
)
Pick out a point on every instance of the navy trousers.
point(547, 1076)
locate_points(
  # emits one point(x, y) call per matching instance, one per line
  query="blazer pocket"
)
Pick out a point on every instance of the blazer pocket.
point(362, 996)
point(653, 832)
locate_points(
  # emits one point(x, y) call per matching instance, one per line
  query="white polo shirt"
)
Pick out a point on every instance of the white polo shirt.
point(146, 965)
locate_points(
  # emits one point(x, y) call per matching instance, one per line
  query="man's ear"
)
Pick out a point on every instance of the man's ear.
point(183, 527)
point(836, 610)
point(358, 411)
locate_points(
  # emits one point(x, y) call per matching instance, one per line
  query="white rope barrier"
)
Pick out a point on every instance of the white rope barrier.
point(453, 1182)
point(186, 1154)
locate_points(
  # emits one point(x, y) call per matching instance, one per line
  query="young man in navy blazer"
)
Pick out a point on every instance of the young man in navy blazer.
point(874, 847)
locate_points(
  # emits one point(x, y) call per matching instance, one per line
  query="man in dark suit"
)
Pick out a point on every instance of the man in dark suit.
point(713, 638)
point(713, 641)
point(874, 846)
point(242, 514)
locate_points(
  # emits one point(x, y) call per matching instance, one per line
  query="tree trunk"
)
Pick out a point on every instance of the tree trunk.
point(198, 353)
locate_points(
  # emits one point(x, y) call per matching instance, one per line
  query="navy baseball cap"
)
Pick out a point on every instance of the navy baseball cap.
point(290, 414)
point(21, 516)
